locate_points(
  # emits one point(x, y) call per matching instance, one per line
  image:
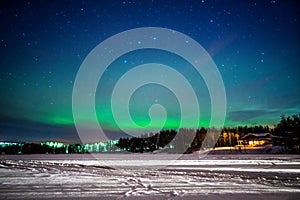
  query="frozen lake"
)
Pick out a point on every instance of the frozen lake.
point(141, 176)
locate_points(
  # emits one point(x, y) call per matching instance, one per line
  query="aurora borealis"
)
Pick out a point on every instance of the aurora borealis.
point(255, 45)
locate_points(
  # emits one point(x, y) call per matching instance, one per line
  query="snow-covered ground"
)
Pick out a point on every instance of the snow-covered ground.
point(147, 176)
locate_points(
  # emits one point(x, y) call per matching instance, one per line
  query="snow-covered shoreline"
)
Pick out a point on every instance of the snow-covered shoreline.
point(266, 149)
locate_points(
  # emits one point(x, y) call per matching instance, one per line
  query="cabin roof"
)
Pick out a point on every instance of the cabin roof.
point(258, 135)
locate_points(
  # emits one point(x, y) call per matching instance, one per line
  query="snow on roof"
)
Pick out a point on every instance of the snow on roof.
point(258, 135)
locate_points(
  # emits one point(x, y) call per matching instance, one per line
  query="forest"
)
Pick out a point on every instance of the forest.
point(172, 141)
point(287, 129)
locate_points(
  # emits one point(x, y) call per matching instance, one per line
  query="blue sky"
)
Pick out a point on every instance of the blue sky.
point(255, 45)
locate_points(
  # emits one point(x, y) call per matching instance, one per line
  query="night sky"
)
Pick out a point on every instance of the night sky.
point(255, 45)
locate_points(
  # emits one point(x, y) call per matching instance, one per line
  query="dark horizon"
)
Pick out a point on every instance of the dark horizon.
point(277, 129)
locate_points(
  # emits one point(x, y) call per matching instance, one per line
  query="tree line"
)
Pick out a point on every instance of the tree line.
point(178, 141)
point(288, 130)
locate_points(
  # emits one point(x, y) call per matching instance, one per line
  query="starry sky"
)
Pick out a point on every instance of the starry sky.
point(254, 44)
